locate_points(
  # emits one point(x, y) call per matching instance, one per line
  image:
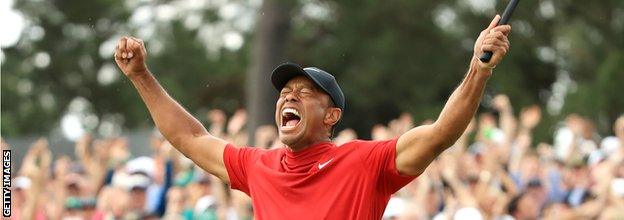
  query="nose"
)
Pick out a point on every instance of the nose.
point(291, 97)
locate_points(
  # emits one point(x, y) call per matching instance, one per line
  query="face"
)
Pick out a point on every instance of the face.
point(530, 166)
point(304, 114)
point(528, 208)
point(555, 211)
point(139, 196)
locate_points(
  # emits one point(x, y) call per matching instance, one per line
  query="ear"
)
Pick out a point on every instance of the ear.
point(332, 116)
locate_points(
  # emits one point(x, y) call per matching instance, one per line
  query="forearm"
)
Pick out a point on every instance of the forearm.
point(419, 146)
point(32, 196)
point(461, 106)
point(423, 188)
point(521, 145)
point(173, 121)
point(508, 183)
point(60, 197)
point(83, 154)
point(508, 124)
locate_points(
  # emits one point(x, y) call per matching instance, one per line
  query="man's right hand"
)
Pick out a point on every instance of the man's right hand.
point(130, 56)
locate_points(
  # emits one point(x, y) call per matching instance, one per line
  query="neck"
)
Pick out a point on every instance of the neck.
point(295, 147)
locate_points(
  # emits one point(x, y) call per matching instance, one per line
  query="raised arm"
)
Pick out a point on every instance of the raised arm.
point(419, 146)
point(178, 126)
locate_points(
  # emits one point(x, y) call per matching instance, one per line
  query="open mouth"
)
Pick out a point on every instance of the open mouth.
point(290, 118)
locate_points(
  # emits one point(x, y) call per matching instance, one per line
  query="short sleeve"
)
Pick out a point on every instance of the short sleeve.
point(380, 157)
point(237, 163)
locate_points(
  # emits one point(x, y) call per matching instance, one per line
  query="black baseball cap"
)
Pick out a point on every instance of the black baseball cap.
point(286, 71)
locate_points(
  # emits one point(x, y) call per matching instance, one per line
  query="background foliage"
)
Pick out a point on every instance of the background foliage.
point(389, 56)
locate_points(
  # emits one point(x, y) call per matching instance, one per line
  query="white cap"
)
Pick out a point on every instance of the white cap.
point(610, 144)
point(595, 157)
point(142, 164)
point(498, 136)
point(440, 216)
point(617, 187)
point(137, 180)
point(563, 140)
point(22, 182)
point(128, 181)
point(204, 203)
point(468, 213)
point(120, 179)
point(395, 207)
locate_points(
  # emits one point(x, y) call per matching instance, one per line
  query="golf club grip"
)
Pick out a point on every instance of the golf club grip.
point(504, 20)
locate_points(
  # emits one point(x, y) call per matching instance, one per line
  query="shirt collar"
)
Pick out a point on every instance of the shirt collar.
point(302, 161)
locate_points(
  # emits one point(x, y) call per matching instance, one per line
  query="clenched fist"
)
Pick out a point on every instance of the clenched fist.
point(493, 38)
point(130, 56)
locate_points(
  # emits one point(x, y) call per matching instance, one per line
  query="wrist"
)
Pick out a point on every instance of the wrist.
point(480, 69)
point(138, 75)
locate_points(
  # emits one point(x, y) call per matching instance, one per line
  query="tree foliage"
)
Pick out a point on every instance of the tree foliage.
point(389, 56)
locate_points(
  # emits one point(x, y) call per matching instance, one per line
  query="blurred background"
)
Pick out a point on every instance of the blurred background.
point(397, 62)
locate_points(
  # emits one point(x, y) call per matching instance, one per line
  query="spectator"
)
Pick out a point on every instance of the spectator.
point(498, 174)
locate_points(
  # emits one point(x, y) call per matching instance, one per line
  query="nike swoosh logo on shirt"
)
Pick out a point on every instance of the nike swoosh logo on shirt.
point(321, 165)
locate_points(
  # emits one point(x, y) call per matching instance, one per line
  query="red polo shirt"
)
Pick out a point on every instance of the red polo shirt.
point(323, 181)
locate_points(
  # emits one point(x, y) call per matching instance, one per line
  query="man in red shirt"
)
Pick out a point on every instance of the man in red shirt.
point(311, 178)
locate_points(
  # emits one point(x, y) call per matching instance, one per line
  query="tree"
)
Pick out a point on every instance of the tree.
point(388, 57)
point(268, 51)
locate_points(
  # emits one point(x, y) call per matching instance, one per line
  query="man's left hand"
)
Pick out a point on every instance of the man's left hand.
point(494, 39)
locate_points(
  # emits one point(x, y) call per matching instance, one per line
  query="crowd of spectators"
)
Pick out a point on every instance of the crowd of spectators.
point(494, 171)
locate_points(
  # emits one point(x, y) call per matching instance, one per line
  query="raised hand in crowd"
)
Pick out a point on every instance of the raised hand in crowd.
point(401, 125)
point(93, 156)
point(506, 178)
point(345, 136)
point(237, 122)
point(530, 117)
point(118, 152)
point(36, 166)
point(380, 132)
point(265, 135)
point(507, 119)
point(235, 128)
point(217, 120)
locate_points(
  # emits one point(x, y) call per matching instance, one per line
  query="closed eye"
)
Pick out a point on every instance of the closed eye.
point(306, 91)
point(285, 92)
